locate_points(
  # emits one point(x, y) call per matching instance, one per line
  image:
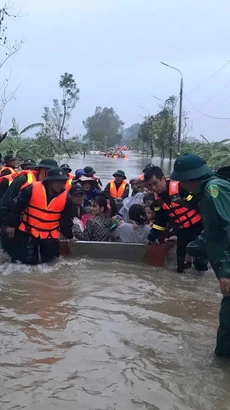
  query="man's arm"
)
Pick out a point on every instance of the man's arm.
point(10, 194)
point(188, 199)
point(19, 205)
point(66, 220)
point(217, 197)
point(160, 224)
point(197, 248)
point(3, 187)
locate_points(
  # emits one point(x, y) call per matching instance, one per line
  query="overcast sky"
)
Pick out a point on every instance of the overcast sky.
point(114, 48)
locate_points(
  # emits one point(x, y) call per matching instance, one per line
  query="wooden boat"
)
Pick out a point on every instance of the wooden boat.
point(129, 252)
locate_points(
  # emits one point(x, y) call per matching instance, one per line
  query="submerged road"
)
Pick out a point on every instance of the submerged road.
point(90, 335)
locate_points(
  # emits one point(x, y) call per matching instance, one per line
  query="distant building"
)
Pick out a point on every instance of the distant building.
point(192, 140)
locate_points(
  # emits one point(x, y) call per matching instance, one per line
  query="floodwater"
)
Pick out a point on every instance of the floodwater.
point(88, 335)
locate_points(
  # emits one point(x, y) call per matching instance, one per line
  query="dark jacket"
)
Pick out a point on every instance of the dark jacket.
point(161, 216)
point(22, 201)
point(9, 197)
point(214, 242)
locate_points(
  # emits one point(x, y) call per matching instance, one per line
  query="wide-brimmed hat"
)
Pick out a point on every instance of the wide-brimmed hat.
point(89, 171)
point(9, 158)
point(66, 167)
point(119, 173)
point(47, 163)
point(28, 162)
point(56, 174)
point(84, 178)
point(188, 167)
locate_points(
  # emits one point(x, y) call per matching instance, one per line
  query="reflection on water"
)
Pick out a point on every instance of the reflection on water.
point(90, 335)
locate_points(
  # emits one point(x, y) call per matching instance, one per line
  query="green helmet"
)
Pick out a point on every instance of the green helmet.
point(56, 174)
point(188, 167)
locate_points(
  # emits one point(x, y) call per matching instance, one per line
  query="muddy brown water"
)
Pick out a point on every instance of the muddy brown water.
point(90, 335)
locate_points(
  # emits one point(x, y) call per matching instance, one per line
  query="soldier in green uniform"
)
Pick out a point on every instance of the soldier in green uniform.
point(214, 242)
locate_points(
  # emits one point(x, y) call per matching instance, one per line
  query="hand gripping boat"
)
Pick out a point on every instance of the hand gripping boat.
point(128, 252)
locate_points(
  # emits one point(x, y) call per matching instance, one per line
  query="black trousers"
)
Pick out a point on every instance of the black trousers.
point(184, 237)
point(13, 246)
point(48, 249)
point(26, 248)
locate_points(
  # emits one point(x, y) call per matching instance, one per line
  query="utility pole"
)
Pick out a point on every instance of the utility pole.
point(180, 107)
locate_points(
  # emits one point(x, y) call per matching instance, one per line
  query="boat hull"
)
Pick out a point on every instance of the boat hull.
point(152, 255)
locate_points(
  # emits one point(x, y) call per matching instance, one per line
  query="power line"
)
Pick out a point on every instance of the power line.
point(213, 109)
point(210, 99)
point(209, 78)
point(203, 113)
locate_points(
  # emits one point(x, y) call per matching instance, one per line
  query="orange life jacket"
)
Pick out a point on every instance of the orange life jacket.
point(31, 177)
point(9, 178)
point(182, 216)
point(12, 170)
point(42, 220)
point(117, 193)
point(69, 181)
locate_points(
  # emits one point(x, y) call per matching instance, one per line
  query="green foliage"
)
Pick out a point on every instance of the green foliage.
point(216, 154)
point(103, 128)
point(158, 132)
point(70, 92)
point(56, 118)
point(14, 130)
point(131, 132)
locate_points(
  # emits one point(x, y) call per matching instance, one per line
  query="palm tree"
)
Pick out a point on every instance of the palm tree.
point(216, 154)
point(14, 130)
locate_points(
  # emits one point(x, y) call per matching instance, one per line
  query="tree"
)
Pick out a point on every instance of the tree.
point(145, 136)
point(131, 132)
point(216, 154)
point(159, 132)
point(8, 49)
point(103, 128)
point(70, 96)
point(56, 118)
point(14, 130)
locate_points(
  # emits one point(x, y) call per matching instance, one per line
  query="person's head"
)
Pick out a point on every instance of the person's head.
point(44, 166)
point(77, 194)
point(147, 166)
point(190, 170)
point(87, 183)
point(89, 171)
point(155, 178)
point(119, 176)
point(136, 185)
point(99, 205)
point(150, 214)
point(137, 214)
point(66, 168)
point(28, 164)
point(148, 198)
point(10, 161)
point(79, 173)
point(145, 189)
point(56, 180)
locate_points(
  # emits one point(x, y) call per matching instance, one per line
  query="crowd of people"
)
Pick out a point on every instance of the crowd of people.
point(40, 202)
